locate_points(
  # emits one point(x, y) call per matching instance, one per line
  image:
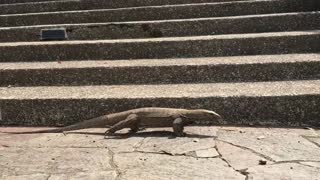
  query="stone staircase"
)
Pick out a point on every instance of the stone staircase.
point(255, 62)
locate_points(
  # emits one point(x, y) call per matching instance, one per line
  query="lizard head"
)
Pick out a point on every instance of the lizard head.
point(203, 114)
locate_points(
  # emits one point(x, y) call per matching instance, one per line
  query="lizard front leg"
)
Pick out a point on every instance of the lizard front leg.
point(178, 126)
point(131, 121)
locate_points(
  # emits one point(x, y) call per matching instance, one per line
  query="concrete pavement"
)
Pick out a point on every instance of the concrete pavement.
point(205, 153)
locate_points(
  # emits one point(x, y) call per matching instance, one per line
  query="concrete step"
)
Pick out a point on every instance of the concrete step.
point(285, 103)
point(184, 11)
point(115, 3)
point(162, 71)
point(170, 28)
point(45, 6)
point(179, 47)
point(23, 1)
point(71, 5)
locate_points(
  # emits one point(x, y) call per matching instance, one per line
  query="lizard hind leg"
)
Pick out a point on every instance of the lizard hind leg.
point(178, 126)
point(131, 121)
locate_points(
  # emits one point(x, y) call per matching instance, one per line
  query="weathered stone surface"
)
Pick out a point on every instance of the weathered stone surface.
point(206, 153)
point(238, 158)
point(15, 140)
point(176, 146)
point(154, 154)
point(24, 177)
point(86, 138)
point(95, 175)
point(27, 160)
point(150, 140)
point(162, 140)
point(201, 132)
point(290, 171)
point(163, 167)
point(278, 144)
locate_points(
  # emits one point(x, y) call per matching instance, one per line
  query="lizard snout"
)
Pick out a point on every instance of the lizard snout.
point(214, 114)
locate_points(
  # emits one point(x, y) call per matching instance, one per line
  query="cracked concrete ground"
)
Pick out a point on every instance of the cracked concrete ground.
point(205, 153)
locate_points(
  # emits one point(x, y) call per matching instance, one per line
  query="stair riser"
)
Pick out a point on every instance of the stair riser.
point(159, 13)
point(162, 49)
point(275, 111)
point(161, 75)
point(308, 21)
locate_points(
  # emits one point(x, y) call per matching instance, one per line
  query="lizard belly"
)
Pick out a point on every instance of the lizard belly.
point(156, 122)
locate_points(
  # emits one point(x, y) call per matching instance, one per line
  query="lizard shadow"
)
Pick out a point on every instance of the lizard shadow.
point(168, 134)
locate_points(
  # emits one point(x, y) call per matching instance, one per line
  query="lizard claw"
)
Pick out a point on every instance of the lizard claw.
point(108, 132)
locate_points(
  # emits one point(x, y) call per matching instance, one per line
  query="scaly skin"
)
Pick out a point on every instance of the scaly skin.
point(142, 117)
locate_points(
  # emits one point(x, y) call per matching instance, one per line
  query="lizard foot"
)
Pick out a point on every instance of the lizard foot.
point(182, 134)
point(108, 133)
point(178, 127)
point(134, 130)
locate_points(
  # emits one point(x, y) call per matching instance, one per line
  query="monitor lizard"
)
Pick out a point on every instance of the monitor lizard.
point(142, 117)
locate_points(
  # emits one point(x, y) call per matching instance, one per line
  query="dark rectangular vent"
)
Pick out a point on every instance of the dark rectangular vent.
point(53, 34)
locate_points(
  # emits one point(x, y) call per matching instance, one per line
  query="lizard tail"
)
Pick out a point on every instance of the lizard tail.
point(57, 130)
point(91, 123)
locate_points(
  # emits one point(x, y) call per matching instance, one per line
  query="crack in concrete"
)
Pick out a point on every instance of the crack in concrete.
point(186, 153)
point(113, 165)
point(298, 162)
point(242, 172)
point(248, 149)
point(136, 147)
point(163, 152)
point(307, 138)
point(308, 165)
point(295, 161)
point(49, 176)
point(150, 152)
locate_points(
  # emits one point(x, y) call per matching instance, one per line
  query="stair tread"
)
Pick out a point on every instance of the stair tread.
point(212, 61)
point(248, 89)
